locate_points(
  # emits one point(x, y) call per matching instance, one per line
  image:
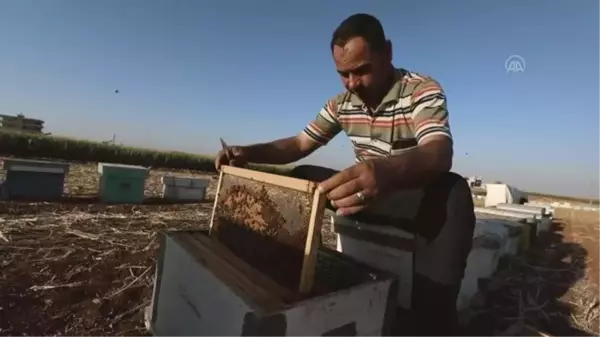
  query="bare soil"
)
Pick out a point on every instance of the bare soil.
point(82, 268)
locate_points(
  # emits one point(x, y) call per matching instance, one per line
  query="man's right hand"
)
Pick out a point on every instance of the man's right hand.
point(233, 156)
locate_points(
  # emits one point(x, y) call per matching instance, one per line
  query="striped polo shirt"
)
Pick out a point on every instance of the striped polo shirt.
point(413, 110)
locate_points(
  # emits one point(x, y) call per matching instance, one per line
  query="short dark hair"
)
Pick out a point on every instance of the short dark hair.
point(360, 25)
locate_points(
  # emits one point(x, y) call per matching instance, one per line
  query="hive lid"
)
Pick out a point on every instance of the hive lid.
point(101, 166)
point(11, 162)
point(189, 182)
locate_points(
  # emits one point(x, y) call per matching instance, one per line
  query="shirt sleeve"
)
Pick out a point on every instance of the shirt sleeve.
point(429, 111)
point(325, 126)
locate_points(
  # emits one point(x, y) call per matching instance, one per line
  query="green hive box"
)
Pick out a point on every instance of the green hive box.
point(122, 184)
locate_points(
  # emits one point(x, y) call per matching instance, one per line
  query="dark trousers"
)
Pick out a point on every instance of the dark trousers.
point(443, 232)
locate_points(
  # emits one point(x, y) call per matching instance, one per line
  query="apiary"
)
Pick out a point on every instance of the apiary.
point(259, 270)
point(33, 179)
point(122, 184)
point(184, 189)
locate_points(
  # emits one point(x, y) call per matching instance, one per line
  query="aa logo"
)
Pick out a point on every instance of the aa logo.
point(514, 64)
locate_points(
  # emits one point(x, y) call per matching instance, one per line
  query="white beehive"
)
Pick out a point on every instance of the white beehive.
point(184, 189)
point(383, 247)
point(201, 288)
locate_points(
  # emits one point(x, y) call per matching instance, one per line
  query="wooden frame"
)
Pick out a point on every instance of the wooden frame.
point(270, 178)
point(316, 216)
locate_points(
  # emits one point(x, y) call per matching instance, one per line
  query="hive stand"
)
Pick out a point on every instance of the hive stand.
point(33, 179)
point(185, 189)
point(122, 184)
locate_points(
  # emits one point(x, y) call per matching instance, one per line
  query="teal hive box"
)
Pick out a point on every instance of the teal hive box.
point(33, 179)
point(122, 184)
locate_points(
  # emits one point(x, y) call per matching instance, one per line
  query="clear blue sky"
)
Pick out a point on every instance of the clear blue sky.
point(192, 71)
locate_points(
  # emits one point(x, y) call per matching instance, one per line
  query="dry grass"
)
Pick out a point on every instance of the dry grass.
point(553, 288)
point(83, 268)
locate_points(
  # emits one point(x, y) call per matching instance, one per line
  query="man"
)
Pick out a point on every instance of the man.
point(398, 124)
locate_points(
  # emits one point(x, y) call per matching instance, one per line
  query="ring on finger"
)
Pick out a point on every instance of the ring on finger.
point(361, 196)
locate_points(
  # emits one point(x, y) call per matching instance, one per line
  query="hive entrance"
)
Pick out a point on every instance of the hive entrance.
point(270, 221)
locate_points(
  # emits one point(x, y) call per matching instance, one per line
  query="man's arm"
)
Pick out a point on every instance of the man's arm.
point(433, 155)
point(288, 150)
point(282, 151)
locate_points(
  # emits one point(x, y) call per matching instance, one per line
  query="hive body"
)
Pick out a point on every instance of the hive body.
point(201, 288)
point(122, 184)
point(33, 179)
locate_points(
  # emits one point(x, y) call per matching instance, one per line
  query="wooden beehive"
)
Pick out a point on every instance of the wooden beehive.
point(122, 184)
point(202, 288)
point(381, 246)
point(33, 179)
point(259, 270)
point(184, 189)
point(273, 222)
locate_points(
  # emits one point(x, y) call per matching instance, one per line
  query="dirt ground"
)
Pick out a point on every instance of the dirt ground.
point(83, 268)
point(553, 288)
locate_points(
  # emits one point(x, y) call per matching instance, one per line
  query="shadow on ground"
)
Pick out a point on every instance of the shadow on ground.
point(528, 290)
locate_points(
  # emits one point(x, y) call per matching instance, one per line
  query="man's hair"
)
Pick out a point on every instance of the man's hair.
point(360, 25)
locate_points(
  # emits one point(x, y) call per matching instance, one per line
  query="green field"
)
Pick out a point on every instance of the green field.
point(76, 150)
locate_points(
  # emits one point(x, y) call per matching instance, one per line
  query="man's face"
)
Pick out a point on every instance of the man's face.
point(362, 70)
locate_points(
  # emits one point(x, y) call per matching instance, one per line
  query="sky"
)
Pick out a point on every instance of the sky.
point(189, 72)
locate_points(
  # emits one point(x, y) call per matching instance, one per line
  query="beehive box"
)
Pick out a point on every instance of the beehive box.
point(33, 179)
point(202, 288)
point(380, 246)
point(261, 263)
point(519, 232)
point(185, 189)
point(390, 248)
point(122, 184)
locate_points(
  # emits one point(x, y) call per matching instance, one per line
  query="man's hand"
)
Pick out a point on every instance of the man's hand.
point(233, 155)
point(353, 188)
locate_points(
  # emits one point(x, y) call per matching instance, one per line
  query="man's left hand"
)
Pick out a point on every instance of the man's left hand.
point(352, 189)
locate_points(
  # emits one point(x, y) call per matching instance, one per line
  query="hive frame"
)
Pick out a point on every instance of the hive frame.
point(315, 221)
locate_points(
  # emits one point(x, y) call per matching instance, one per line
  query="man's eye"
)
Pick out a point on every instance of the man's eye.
point(362, 71)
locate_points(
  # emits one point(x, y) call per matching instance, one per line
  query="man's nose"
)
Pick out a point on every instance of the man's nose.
point(353, 82)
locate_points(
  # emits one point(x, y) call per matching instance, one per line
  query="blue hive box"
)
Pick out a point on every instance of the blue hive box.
point(33, 179)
